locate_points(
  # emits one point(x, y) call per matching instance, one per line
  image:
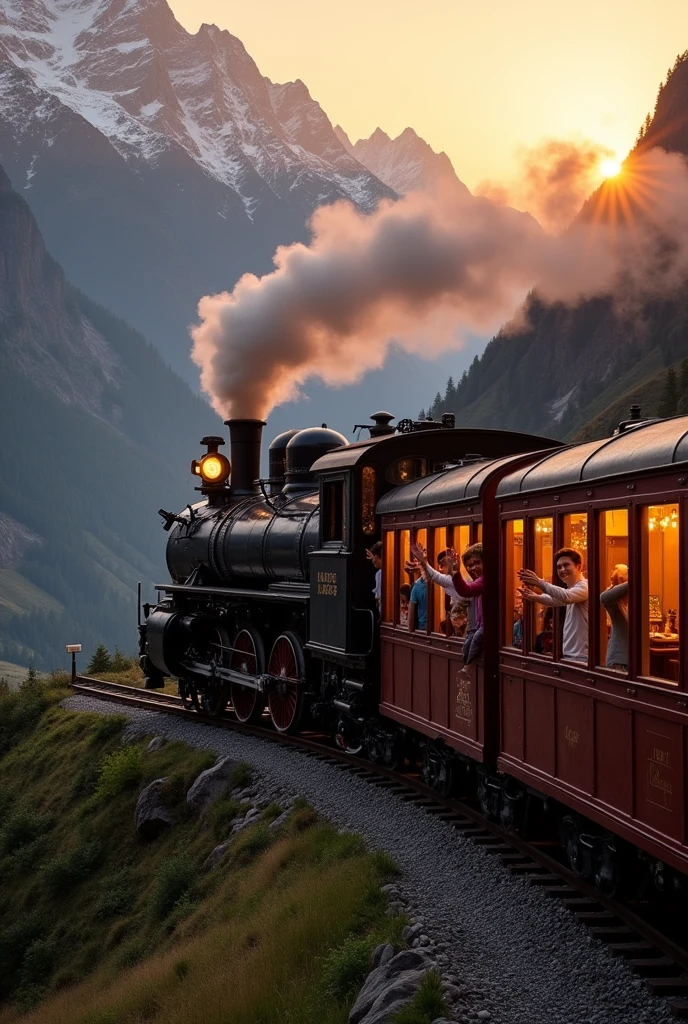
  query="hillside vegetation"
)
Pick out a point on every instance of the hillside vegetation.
point(97, 436)
point(99, 927)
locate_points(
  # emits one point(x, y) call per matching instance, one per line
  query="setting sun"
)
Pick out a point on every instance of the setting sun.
point(609, 168)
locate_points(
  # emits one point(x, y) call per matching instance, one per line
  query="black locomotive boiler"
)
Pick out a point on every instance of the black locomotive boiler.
point(271, 594)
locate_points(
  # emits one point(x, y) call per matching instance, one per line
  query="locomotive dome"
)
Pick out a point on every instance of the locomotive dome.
point(303, 451)
point(277, 458)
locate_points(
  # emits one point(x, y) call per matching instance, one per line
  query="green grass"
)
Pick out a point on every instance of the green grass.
point(99, 926)
point(18, 595)
point(427, 1004)
point(14, 675)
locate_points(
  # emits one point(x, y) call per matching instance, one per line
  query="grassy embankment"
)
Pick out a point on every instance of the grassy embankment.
point(98, 927)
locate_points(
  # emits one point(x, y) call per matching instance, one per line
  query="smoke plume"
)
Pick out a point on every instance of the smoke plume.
point(421, 273)
point(554, 180)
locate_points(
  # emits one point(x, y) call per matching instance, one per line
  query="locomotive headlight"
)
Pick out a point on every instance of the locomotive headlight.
point(214, 468)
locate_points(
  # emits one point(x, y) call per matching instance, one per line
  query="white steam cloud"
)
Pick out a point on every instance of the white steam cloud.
point(422, 272)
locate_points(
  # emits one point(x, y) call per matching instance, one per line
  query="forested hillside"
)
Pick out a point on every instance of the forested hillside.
point(97, 435)
point(571, 366)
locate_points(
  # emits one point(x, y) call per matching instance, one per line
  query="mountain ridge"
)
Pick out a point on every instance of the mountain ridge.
point(89, 453)
point(160, 165)
point(563, 369)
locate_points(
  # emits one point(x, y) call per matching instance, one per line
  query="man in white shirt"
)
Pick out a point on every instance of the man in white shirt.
point(573, 595)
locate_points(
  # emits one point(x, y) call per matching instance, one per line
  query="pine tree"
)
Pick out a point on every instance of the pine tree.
point(669, 401)
point(100, 662)
point(119, 662)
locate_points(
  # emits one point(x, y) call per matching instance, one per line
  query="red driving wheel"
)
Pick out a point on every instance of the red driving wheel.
point(247, 657)
point(285, 698)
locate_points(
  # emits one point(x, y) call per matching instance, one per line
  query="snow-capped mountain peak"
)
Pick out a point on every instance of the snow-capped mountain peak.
point(406, 163)
point(132, 72)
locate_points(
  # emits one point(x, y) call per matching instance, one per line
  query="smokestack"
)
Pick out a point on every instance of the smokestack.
point(244, 440)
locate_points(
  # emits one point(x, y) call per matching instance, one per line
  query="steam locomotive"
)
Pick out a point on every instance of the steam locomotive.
point(271, 603)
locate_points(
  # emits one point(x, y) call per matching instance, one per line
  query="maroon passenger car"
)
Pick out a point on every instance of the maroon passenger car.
point(608, 743)
point(605, 748)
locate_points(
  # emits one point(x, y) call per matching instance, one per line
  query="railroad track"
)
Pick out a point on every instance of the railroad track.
point(656, 958)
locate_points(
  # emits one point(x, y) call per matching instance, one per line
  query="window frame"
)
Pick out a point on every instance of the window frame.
point(636, 595)
point(344, 542)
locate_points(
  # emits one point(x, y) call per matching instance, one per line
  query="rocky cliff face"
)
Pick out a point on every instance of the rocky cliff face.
point(160, 165)
point(572, 364)
point(44, 333)
point(89, 453)
point(406, 164)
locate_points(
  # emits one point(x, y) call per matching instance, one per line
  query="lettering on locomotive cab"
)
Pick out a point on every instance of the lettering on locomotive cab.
point(327, 584)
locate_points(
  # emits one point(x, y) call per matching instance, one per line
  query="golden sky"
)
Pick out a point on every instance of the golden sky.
point(477, 79)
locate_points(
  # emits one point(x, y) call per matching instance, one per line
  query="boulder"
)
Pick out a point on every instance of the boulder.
point(210, 784)
point(279, 821)
point(216, 855)
point(396, 994)
point(152, 815)
point(155, 744)
point(382, 954)
point(397, 979)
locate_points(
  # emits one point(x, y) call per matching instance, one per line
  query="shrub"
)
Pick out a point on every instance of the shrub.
point(15, 939)
point(427, 1005)
point(120, 663)
point(119, 771)
point(132, 952)
point(38, 961)
point(346, 968)
point(68, 870)
point(251, 843)
point(19, 711)
point(303, 818)
point(107, 727)
point(22, 826)
point(176, 879)
point(222, 814)
point(240, 776)
point(385, 865)
point(116, 895)
point(181, 969)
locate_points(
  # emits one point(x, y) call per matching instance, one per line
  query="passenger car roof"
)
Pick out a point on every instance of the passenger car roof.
point(654, 445)
point(457, 483)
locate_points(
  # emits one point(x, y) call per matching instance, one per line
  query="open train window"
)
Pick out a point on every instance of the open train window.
point(389, 576)
point(659, 598)
point(334, 511)
point(613, 568)
point(513, 561)
point(405, 470)
point(541, 624)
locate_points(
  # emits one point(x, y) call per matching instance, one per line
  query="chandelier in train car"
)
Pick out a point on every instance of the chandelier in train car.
point(663, 521)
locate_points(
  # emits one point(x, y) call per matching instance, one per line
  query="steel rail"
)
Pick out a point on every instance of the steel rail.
point(655, 957)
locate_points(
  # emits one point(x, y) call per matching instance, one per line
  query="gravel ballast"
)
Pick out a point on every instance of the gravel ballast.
point(515, 955)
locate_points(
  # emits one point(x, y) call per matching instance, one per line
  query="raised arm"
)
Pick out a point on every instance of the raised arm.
point(565, 595)
point(442, 579)
point(464, 588)
point(614, 594)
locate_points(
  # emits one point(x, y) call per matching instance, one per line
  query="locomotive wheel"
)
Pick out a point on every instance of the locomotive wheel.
point(248, 656)
point(285, 699)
